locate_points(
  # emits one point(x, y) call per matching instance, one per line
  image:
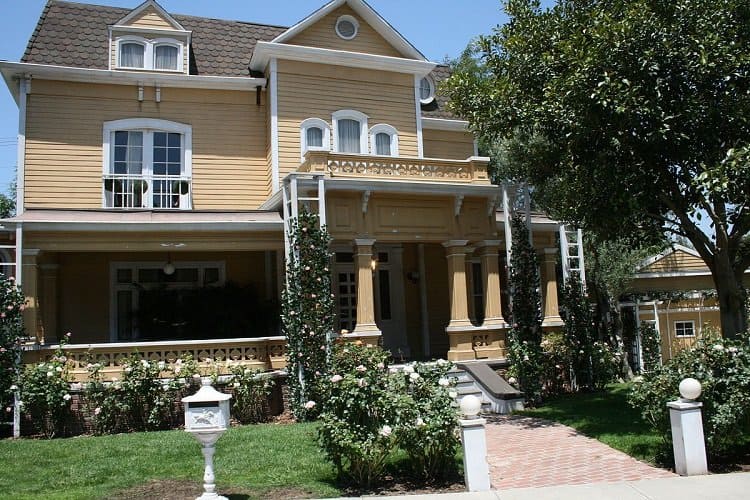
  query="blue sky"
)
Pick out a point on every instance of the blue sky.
point(438, 28)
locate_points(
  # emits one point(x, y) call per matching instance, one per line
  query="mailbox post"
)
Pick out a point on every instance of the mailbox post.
point(207, 418)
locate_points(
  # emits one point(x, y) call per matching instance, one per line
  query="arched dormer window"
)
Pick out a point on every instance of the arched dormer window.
point(350, 132)
point(384, 140)
point(162, 54)
point(315, 135)
point(132, 53)
point(167, 57)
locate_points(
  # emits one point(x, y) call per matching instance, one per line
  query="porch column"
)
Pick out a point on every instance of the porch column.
point(489, 252)
point(30, 288)
point(460, 327)
point(48, 301)
point(365, 297)
point(549, 275)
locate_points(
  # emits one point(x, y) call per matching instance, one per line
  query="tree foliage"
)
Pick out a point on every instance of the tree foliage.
point(627, 115)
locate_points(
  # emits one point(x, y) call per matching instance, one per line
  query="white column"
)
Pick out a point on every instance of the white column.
point(474, 440)
point(687, 431)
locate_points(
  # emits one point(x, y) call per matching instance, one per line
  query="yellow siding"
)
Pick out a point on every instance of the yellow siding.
point(150, 18)
point(84, 293)
point(309, 90)
point(676, 262)
point(64, 142)
point(447, 144)
point(323, 34)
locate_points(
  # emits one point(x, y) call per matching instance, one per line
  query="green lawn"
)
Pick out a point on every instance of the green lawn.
point(605, 416)
point(252, 460)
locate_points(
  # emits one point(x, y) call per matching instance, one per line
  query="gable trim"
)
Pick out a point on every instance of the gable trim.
point(369, 14)
point(151, 3)
point(669, 251)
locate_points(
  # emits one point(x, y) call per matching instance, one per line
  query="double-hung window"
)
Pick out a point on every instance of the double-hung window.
point(684, 329)
point(147, 164)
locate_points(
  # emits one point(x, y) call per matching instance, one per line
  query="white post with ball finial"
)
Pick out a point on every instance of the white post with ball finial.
point(476, 469)
point(687, 430)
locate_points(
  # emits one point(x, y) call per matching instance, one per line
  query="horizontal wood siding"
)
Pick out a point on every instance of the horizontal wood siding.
point(448, 145)
point(676, 262)
point(150, 18)
point(323, 34)
point(64, 142)
point(308, 90)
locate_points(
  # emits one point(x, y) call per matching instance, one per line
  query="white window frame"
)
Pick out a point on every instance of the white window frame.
point(115, 287)
point(685, 322)
point(149, 52)
point(350, 114)
point(148, 126)
point(352, 20)
point(314, 123)
point(384, 128)
point(431, 97)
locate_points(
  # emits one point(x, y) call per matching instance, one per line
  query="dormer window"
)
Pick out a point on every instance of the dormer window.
point(140, 53)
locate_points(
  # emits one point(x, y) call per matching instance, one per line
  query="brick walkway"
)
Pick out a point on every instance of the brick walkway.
point(527, 452)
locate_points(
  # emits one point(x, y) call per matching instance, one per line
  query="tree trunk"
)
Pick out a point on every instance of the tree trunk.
point(731, 298)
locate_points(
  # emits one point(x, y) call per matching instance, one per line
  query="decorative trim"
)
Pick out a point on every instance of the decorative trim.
point(353, 21)
point(265, 51)
point(418, 115)
point(350, 114)
point(458, 203)
point(151, 3)
point(445, 124)
point(367, 13)
point(384, 128)
point(314, 123)
point(274, 83)
point(365, 200)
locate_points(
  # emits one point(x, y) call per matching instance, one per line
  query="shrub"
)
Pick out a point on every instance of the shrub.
point(144, 399)
point(556, 356)
point(606, 363)
point(650, 346)
point(578, 332)
point(12, 304)
point(723, 368)
point(45, 393)
point(251, 389)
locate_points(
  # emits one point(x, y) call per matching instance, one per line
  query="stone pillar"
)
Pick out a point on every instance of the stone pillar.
point(549, 286)
point(365, 297)
point(30, 288)
point(48, 301)
point(460, 327)
point(489, 251)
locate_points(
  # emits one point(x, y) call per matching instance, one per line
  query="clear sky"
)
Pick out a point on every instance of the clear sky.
point(438, 28)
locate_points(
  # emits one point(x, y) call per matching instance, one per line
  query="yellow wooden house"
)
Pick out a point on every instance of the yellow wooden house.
point(163, 152)
point(673, 291)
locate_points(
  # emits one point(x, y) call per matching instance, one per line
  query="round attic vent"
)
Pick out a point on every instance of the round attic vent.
point(347, 27)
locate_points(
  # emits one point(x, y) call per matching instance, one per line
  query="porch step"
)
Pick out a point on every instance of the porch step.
point(466, 386)
point(480, 379)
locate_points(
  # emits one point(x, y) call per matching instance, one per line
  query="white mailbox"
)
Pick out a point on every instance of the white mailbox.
point(206, 418)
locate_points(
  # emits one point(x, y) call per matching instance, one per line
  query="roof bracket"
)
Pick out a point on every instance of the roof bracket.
point(158, 93)
point(492, 204)
point(459, 202)
point(365, 200)
point(140, 92)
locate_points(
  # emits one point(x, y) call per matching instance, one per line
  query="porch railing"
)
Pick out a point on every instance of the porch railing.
point(470, 171)
point(267, 353)
point(147, 191)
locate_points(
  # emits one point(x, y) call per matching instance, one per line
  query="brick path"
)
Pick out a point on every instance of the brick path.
point(526, 452)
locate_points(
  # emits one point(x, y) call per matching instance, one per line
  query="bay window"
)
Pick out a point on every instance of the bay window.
point(147, 164)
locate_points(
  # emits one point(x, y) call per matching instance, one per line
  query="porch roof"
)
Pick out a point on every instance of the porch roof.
point(146, 220)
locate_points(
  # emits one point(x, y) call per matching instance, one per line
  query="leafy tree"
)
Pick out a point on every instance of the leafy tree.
point(7, 206)
point(627, 115)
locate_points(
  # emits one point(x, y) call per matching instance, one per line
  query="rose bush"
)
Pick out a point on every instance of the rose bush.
point(12, 304)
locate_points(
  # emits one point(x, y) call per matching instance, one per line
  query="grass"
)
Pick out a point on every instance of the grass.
point(608, 417)
point(254, 459)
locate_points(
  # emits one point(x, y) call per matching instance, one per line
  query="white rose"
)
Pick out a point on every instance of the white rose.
point(386, 431)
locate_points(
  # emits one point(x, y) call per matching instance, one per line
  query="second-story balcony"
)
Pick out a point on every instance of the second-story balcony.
point(344, 165)
point(164, 192)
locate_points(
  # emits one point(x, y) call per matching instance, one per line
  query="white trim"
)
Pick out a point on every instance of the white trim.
point(692, 327)
point(149, 30)
point(125, 77)
point(431, 82)
point(353, 21)
point(24, 87)
point(314, 123)
point(678, 274)
point(149, 52)
point(350, 114)
point(418, 115)
point(445, 124)
point(265, 51)
point(274, 83)
point(159, 9)
point(367, 13)
point(384, 128)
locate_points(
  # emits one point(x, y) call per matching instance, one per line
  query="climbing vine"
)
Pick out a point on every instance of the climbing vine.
point(307, 313)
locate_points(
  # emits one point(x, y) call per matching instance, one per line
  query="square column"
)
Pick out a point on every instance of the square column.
point(365, 297)
point(459, 329)
point(30, 287)
point(549, 286)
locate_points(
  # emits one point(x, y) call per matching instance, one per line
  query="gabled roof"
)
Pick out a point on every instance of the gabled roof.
point(76, 35)
point(145, 6)
point(368, 14)
point(676, 247)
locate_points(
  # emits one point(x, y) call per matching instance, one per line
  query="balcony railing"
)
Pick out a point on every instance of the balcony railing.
point(147, 191)
point(267, 353)
point(469, 171)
